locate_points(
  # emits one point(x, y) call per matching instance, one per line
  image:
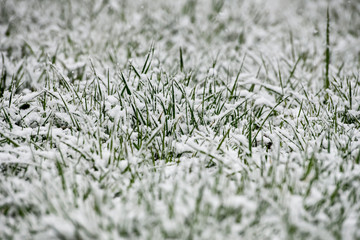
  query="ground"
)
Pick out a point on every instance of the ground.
point(191, 119)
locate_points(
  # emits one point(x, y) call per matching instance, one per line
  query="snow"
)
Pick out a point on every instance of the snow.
point(212, 72)
point(260, 101)
point(86, 159)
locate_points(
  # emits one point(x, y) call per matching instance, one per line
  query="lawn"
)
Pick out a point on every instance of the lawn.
point(189, 119)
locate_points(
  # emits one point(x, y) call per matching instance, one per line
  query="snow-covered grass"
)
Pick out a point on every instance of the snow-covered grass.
point(192, 119)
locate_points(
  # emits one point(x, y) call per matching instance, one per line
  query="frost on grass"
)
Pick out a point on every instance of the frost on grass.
point(179, 119)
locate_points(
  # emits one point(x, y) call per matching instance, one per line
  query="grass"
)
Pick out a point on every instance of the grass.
point(327, 51)
point(186, 120)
